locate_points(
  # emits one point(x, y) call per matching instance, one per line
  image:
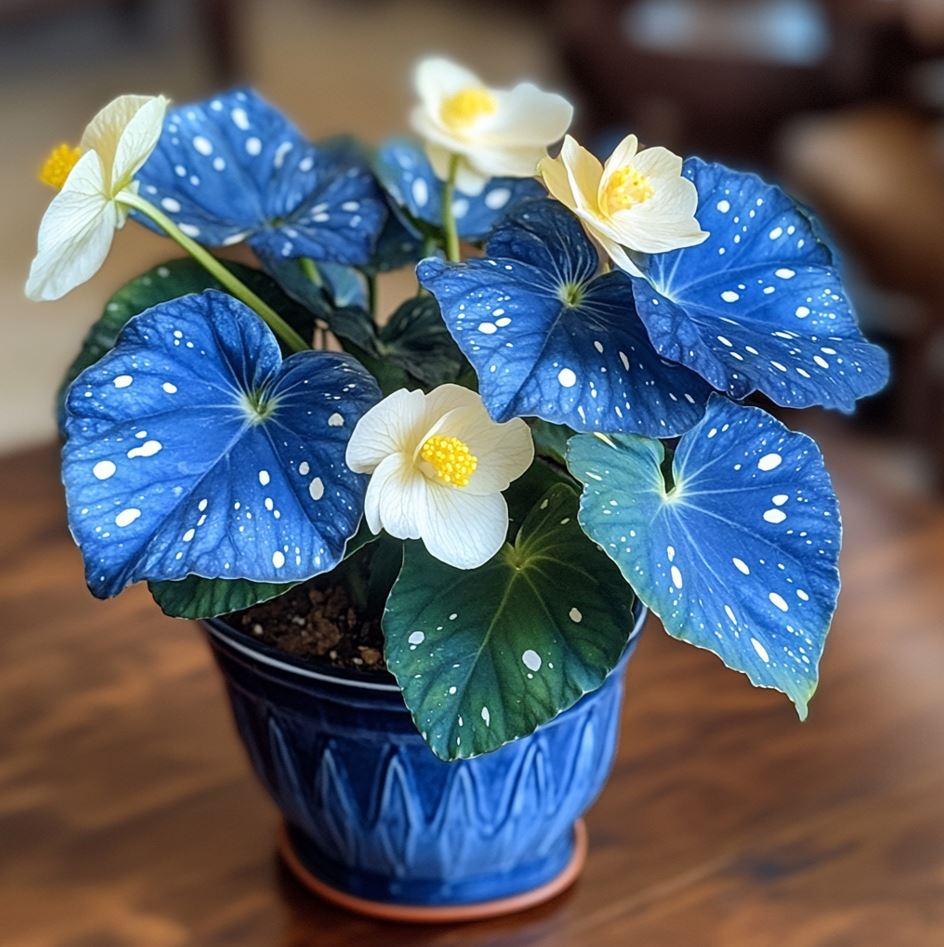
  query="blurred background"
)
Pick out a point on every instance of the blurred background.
point(840, 100)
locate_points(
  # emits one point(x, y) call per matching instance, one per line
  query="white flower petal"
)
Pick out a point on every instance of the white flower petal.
point(503, 451)
point(584, 173)
point(392, 426)
point(508, 141)
point(75, 233)
point(395, 498)
point(557, 181)
point(137, 140)
point(447, 397)
point(460, 528)
point(437, 78)
point(103, 133)
point(662, 222)
point(623, 154)
point(468, 180)
point(527, 115)
point(619, 256)
point(506, 161)
point(658, 163)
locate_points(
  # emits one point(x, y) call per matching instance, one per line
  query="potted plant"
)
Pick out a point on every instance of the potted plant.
point(422, 543)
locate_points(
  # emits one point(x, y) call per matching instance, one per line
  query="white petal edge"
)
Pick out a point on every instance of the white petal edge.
point(462, 529)
point(437, 78)
point(503, 451)
point(395, 498)
point(75, 233)
point(392, 426)
point(137, 140)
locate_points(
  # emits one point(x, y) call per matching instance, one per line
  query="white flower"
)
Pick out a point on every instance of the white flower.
point(438, 464)
point(638, 200)
point(496, 132)
point(77, 228)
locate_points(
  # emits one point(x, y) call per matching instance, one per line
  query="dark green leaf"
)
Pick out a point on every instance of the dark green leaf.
point(550, 440)
point(417, 340)
point(486, 656)
point(196, 597)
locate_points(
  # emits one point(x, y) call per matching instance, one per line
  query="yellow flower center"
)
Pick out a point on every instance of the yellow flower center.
point(57, 166)
point(465, 107)
point(451, 458)
point(626, 188)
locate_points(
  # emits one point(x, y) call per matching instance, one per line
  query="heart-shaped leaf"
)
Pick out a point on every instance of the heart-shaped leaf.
point(760, 304)
point(233, 168)
point(405, 172)
point(165, 282)
point(194, 449)
point(486, 656)
point(740, 555)
point(551, 338)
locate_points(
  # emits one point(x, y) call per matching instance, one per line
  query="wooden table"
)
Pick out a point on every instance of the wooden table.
point(128, 815)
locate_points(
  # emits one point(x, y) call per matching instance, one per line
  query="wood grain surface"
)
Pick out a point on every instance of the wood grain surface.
point(128, 815)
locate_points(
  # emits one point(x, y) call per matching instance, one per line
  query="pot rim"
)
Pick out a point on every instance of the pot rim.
point(249, 647)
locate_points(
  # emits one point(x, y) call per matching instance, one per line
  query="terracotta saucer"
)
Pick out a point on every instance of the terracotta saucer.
point(440, 914)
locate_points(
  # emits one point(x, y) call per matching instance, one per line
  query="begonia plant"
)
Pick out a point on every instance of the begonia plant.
point(554, 424)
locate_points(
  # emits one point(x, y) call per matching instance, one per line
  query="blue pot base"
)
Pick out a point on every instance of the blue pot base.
point(293, 850)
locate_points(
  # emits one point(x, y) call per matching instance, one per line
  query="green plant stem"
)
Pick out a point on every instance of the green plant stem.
point(216, 269)
point(310, 269)
point(372, 296)
point(448, 218)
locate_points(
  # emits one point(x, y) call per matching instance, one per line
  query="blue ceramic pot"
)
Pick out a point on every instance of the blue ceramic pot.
point(374, 818)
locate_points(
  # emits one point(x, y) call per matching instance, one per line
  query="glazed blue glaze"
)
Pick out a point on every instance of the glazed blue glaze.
point(372, 812)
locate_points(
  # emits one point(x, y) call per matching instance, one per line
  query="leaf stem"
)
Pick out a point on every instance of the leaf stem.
point(216, 269)
point(448, 218)
point(372, 296)
point(310, 269)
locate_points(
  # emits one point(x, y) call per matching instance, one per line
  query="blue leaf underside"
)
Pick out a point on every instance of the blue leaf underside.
point(551, 338)
point(170, 470)
point(741, 556)
point(405, 172)
point(760, 304)
point(233, 168)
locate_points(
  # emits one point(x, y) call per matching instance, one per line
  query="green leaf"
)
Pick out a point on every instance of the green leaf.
point(413, 346)
point(169, 281)
point(550, 440)
point(524, 492)
point(486, 656)
point(197, 597)
point(417, 340)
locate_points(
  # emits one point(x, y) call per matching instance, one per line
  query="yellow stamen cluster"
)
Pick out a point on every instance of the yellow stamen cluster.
point(57, 166)
point(463, 108)
point(451, 458)
point(626, 188)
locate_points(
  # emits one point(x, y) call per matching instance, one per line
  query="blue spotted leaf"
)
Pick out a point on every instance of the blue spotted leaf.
point(550, 337)
point(486, 656)
point(233, 168)
point(193, 449)
point(405, 172)
point(168, 281)
point(740, 555)
point(760, 304)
